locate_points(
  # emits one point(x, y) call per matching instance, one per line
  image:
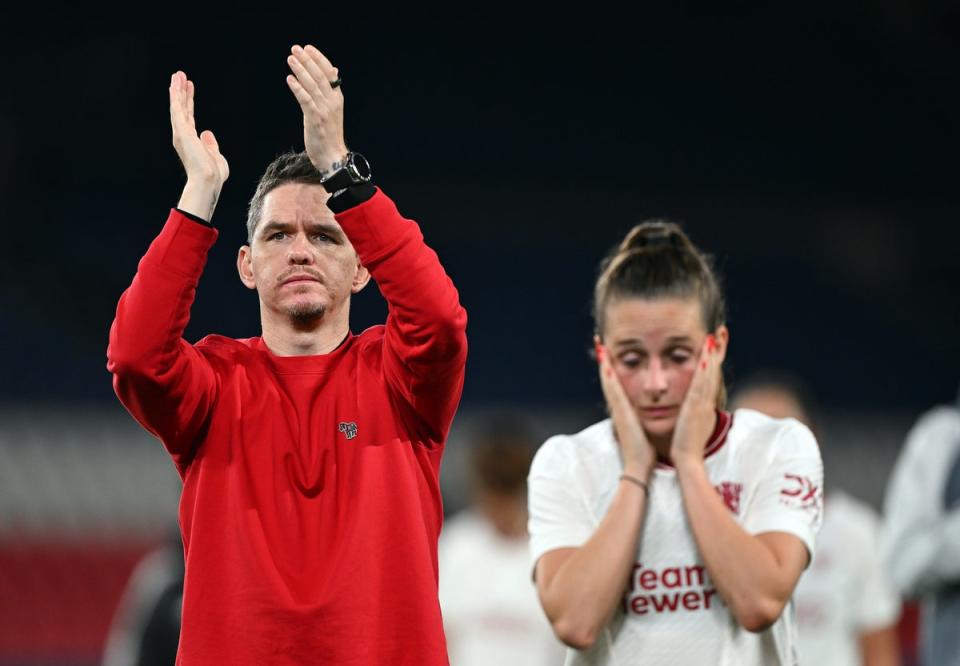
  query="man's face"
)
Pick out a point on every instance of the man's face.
point(300, 261)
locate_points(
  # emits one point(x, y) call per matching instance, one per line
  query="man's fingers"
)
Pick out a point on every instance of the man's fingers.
point(177, 103)
point(319, 67)
point(209, 140)
point(173, 97)
point(303, 97)
point(189, 102)
point(321, 60)
point(181, 102)
point(299, 69)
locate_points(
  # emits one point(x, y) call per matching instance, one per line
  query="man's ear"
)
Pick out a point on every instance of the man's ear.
point(245, 267)
point(360, 278)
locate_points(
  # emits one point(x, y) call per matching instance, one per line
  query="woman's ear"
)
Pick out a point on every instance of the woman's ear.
point(722, 337)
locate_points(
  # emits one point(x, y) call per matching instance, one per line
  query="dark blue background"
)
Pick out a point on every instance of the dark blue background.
point(813, 151)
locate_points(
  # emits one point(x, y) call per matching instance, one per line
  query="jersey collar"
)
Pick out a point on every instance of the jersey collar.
point(716, 441)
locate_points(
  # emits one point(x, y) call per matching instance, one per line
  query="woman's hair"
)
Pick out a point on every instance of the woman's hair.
point(658, 260)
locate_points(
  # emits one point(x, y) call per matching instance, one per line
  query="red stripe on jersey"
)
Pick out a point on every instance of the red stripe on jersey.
point(717, 439)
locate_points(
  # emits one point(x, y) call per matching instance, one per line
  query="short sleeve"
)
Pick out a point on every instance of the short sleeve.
point(559, 514)
point(789, 495)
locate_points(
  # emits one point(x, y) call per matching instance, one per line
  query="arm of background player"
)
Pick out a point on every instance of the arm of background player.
point(162, 380)
point(921, 536)
point(880, 647)
point(874, 602)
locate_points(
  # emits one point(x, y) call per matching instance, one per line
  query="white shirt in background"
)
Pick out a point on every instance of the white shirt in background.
point(491, 614)
point(845, 591)
point(920, 540)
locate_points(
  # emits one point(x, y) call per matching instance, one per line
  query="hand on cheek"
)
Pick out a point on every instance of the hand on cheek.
point(697, 416)
point(637, 453)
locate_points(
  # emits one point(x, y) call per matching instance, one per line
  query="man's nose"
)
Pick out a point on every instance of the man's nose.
point(300, 252)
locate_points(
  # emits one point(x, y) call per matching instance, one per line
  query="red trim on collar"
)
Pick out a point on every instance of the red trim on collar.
point(717, 439)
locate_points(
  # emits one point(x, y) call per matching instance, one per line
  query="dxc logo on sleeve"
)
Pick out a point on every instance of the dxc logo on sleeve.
point(349, 429)
point(799, 491)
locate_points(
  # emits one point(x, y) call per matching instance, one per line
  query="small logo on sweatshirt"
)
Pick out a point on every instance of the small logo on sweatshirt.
point(349, 429)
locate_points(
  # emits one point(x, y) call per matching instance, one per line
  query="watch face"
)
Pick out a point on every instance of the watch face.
point(361, 167)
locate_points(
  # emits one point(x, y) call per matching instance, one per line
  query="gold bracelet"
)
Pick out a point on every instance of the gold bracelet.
point(633, 479)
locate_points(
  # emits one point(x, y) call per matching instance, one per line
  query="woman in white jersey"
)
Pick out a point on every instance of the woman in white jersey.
point(673, 532)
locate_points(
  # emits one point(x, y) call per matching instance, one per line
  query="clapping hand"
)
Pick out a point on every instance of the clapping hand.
point(316, 85)
point(206, 167)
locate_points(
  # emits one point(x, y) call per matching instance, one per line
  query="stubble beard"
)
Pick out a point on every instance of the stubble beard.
point(306, 315)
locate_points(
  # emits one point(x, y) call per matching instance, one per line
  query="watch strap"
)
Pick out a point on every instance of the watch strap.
point(351, 173)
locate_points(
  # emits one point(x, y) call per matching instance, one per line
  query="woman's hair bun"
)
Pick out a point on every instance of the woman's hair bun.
point(654, 234)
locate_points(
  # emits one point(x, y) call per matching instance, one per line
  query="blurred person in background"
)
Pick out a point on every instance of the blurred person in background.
point(309, 456)
point(921, 531)
point(490, 610)
point(847, 606)
point(673, 532)
point(146, 626)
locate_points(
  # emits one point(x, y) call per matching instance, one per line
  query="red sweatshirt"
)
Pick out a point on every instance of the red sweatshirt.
point(311, 504)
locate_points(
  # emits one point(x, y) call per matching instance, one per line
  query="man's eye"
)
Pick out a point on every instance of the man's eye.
point(323, 238)
point(277, 235)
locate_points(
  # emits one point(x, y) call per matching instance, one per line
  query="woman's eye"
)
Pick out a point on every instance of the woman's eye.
point(679, 357)
point(631, 360)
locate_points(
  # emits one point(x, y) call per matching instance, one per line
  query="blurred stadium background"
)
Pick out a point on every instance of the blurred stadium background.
point(813, 151)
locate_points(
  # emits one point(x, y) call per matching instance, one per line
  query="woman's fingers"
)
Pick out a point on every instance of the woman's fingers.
point(633, 441)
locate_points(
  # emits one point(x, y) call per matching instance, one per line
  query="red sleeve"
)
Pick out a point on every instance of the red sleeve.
point(425, 344)
point(163, 381)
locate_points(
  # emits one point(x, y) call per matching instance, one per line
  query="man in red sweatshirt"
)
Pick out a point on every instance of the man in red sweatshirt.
point(309, 456)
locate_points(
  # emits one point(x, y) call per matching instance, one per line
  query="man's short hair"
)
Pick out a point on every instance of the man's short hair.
point(290, 167)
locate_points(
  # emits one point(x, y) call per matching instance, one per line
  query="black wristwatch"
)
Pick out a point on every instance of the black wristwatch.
point(355, 171)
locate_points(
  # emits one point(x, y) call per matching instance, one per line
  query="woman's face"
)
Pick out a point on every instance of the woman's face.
point(654, 345)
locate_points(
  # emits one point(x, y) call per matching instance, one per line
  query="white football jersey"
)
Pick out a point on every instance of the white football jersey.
point(769, 474)
point(491, 614)
point(846, 591)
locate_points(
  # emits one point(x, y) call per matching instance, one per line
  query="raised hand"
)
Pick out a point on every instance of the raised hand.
point(638, 454)
point(322, 106)
point(697, 417)
point(206, 168)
